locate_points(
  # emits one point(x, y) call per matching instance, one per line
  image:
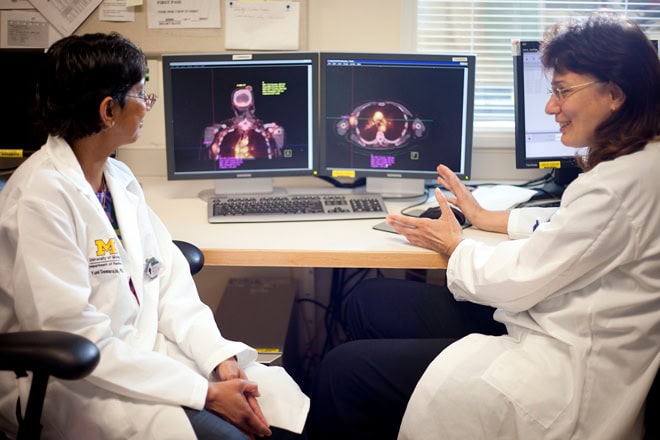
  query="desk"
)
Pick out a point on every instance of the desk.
point(330, 244)
point(307, 251)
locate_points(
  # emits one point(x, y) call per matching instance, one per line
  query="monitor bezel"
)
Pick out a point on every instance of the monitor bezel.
point(327, 169)
point(217, 175)
point(28, 136)
point(524, 161)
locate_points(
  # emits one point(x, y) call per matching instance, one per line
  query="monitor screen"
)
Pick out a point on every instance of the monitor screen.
point(240, 116)
point(537, 136)
point(392, 118)
point(19, 73)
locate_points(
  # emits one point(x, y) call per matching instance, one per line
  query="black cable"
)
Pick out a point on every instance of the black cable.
point(360, 181)
point(422, 202)
point(342, 285)
point(543, 179)
point(363, 274)
point(334, 302)
point(313, 301)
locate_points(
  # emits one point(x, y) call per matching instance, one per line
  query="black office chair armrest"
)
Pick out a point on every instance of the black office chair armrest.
point(193, 254)
point(44, 353)
point(59, 354)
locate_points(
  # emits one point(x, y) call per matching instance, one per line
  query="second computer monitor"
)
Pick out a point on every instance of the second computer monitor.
point(538, 139)
point(392, 118)
point(537, 135)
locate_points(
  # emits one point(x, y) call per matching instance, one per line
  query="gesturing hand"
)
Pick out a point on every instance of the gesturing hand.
point(441, 235)
point(486, 220)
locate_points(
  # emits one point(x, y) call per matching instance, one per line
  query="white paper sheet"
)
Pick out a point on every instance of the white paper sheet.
point(268, 25)
point(65, 15)
point(501, 197)
point(116, 10)
point(179, 14)
point(26, 28)
point(282, 402)
point(15, 4)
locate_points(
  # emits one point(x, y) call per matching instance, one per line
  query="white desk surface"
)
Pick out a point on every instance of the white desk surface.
point(339, 243)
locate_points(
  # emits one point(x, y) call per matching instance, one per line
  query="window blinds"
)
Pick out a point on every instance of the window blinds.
point(486, 28)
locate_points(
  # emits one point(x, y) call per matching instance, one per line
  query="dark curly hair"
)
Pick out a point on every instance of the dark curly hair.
point(79, 72)
point(613, 49)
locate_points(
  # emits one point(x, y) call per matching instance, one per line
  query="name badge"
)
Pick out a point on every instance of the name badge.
point(152, 267)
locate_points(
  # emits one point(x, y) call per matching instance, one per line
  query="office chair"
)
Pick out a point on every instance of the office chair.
point(59, 354)
point(193, 254)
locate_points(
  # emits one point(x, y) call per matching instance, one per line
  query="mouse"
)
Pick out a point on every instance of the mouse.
point(434, 212)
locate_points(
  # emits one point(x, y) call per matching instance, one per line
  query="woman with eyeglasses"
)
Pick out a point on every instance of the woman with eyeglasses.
point(577, 288)
point(81, 252)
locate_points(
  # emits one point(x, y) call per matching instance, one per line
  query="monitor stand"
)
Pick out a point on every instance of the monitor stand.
point(561, 177)
point(251, 185)
point(391, 188)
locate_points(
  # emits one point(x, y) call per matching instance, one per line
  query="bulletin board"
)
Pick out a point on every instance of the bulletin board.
point(157, 41)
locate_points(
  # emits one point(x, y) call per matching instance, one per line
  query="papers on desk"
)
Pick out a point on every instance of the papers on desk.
point(501, 197)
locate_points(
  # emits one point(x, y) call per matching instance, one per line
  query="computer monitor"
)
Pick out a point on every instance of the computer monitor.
point(393, 117)
point(18, 128)
point(537, 136)
point(240, 119)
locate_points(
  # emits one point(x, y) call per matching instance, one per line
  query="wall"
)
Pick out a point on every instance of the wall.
point(364, 25)
point(159, 41)
point(326, 25)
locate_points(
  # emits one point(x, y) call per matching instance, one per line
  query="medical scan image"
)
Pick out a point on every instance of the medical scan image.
point(380, 126)
point(244, 136)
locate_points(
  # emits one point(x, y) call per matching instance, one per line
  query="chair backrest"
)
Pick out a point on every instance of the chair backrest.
point(193, 254)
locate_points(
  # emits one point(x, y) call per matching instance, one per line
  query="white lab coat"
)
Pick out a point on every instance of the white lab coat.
point(581, 302)
point(63, 268)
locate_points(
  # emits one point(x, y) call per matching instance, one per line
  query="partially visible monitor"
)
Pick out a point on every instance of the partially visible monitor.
point(240, 119)
point(537, 136)
point(18, 128)
point(393, 117)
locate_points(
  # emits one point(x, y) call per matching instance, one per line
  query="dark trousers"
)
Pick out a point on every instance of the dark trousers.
point(395, 329)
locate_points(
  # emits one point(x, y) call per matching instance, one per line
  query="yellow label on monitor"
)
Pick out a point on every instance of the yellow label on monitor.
point(343, 173)
point(550, 164)
point(268, 350)
point(11, 153)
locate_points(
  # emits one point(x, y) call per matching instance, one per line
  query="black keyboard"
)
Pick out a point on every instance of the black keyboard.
point(295, 207)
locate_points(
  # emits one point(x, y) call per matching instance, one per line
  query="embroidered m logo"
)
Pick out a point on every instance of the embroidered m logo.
point(103, 247)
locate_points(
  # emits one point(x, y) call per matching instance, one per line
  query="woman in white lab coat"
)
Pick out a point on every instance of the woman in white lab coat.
point(82, 252)
point(579, 293)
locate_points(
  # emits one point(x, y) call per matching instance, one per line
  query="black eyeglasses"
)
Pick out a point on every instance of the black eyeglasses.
point(148, 98)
